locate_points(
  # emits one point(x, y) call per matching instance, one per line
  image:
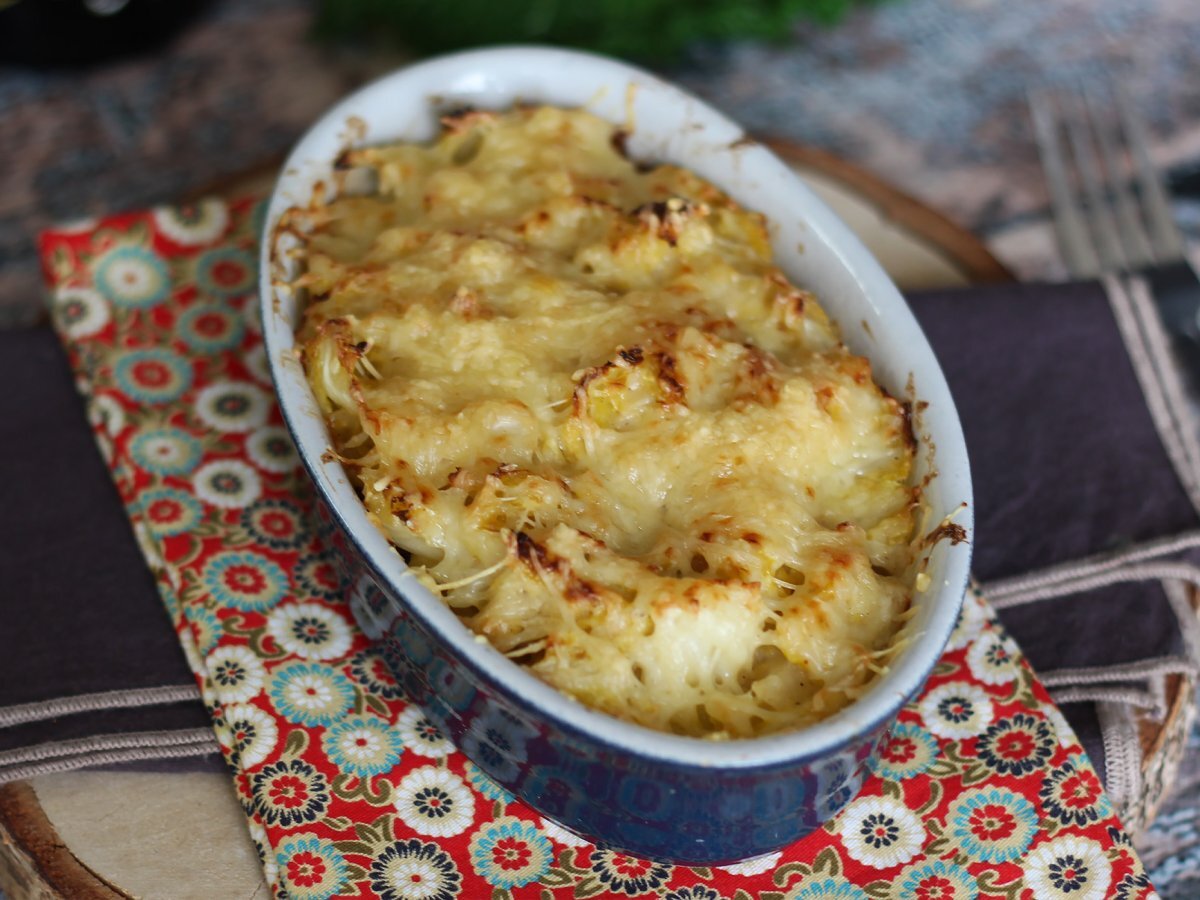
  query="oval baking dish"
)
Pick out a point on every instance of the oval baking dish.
point(680, 799)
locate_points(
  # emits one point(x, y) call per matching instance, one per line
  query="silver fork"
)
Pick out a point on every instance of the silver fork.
point(1104, 225)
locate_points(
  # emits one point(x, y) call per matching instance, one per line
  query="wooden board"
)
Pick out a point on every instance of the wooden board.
point(119, 834)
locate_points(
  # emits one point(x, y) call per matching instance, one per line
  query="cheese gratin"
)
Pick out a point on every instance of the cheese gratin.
point(597, 419)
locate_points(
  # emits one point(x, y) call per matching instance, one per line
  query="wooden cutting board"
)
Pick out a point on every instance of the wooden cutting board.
point(139, 834)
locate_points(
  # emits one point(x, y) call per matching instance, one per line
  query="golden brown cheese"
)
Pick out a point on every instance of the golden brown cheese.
point(601, 423)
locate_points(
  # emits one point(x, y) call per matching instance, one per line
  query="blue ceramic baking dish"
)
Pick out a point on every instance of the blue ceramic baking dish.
point(658, 795)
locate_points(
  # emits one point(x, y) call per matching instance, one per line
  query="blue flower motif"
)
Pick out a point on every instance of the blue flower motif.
point(1119, 836)
point(225, 272)
point(1069, 866)
point(154, 376)
point(393, 869)
point(133, 277)
point(211, 328)
point(992, 824)
point(276, 523)
point(363, 746)
point(828, 889)
point(483, 783)
point(632, 876)
point(246, 581)
point(932, 879)
point(695, 892)
point(907, 751)
point(311, 693)
point(1074, 795)
point(1133, 886)
point(311, 868)
point(510, 852)
point(169, 511)
point(166, 451)
point(319, 577)
point(1017, 745)
point(371, 671)
point(289, 793)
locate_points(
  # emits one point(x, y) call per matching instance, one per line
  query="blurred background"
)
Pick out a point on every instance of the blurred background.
point(110, 104)
point(114, 104)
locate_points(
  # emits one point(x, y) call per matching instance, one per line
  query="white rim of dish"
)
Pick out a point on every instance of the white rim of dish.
point(885, 696)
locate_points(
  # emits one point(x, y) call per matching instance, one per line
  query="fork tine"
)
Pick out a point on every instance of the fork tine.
point(1165, 240)
point(1068, 222)
point(1100, 215)
point(1131, 233)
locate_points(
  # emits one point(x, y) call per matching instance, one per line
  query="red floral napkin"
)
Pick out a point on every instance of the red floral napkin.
point(981, 790)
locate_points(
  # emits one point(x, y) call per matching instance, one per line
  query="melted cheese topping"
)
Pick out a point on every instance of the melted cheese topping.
point(598, 420)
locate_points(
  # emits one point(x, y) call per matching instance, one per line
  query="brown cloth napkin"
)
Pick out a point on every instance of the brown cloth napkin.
point(88, 653)
point(1068, 463)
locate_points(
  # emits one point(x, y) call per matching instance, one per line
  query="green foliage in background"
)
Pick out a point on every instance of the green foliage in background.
point(642, 29)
